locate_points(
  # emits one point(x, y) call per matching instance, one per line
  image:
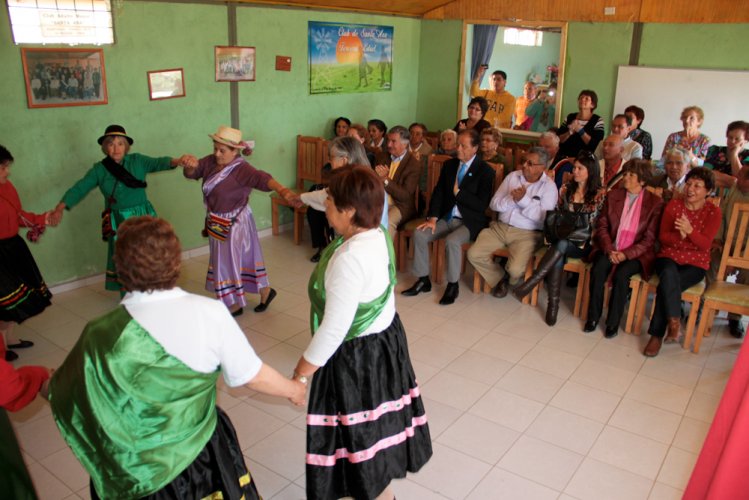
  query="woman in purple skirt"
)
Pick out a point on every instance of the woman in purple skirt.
point(236, 262)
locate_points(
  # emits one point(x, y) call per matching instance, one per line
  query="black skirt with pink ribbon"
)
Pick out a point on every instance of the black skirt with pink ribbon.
point(366, 423)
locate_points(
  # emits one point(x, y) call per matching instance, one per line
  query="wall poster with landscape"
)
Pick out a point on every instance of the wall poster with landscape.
point(349, 58)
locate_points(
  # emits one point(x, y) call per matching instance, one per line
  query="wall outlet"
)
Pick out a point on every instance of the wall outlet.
point(609, 11)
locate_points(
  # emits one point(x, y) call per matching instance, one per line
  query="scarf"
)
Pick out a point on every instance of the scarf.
point(625, 235)
point(216, 179)
point(122, 175)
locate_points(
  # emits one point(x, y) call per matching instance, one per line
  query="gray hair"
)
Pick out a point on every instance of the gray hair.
point(349, 148)
point(551, 135)
point(402, 132)
point(110, 139)
point(449, 131)
point(543, 156)
point(677, 151)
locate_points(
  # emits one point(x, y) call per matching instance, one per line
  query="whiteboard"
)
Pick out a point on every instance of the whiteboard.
point(663, 92)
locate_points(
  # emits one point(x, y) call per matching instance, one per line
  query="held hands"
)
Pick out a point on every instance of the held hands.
point(299, 394)
point(187, 161)
point(518, 193)
point(462, 125)
point(294, 199)
point(54, 217)
point(617, 257)
point(382, 170)
point(684, 226)
point(430, 224)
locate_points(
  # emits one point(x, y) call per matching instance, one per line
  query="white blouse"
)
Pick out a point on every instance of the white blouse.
point(357, 273)
point(197, 330)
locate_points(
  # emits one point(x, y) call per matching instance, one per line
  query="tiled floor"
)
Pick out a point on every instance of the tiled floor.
point(516, 409)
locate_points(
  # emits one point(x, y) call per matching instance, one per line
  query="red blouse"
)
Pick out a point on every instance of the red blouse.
point(19, 387)
point(12, 214)
point(693, 250)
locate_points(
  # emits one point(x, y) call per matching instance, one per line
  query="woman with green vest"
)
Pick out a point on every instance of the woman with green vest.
point(120, 177)
point(366, 423)
point(136, 397)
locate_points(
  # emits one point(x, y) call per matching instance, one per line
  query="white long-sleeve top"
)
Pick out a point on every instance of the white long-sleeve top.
point(357, 273)
point(530, 210)
point(197, 330)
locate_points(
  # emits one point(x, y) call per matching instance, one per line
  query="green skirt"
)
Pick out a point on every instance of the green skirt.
point(112, 282)
point(13, 474)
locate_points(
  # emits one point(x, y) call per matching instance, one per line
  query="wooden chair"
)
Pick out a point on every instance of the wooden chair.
point(691, 295)
point(572, 266)
point(722, 295)
point(433, 138)
point(311, 155)
point(404, 235)
point(634, 285)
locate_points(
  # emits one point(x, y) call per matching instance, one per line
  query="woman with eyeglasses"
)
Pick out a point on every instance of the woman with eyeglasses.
point(688, 227)
point(583, 194)
point(477, 108)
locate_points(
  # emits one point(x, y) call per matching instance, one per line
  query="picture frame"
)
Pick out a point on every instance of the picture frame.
point(64, 77)
point(166, 84)
point(235, 64)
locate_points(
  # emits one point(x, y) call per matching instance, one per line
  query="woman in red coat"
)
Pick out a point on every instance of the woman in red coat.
point(624, 242)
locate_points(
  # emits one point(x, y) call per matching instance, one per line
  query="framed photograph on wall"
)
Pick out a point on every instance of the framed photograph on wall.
point(235, 64)
point(166, 84)
point(64, 77)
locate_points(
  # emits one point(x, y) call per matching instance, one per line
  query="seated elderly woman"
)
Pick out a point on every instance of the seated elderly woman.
point(687, 230)
point(366, 423)
point(490, 140)
point(637, 134)
point(726, 161)
point(477, 108)
point(623, 244)
point(448, 143)
point(136, 397)
point(690, 139)
point(583, 194)
point(670, 184)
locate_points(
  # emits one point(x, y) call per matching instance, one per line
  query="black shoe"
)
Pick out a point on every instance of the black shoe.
point(501, 288)
point(10, 356)
point(238, 312)
point(590, 325)
point(264, 305)
point(611, 332)
point(22, 344)
point(451, 293)
point(316, 257)
point(734, 328)
point(423, 284)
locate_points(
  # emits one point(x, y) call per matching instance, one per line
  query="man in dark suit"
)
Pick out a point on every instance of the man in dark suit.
point(457, 212)
point(400, 171)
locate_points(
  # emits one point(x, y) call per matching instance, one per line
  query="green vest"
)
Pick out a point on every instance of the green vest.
point(366, 313)
point(134, 415)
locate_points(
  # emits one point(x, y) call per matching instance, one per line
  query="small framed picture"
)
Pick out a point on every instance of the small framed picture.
point(235, 64)
point(166, 84)
point(64, 77)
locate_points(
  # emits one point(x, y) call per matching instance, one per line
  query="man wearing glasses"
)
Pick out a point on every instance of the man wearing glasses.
point(522, 201)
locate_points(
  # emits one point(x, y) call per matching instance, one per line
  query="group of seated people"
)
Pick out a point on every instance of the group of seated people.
point(641, 216)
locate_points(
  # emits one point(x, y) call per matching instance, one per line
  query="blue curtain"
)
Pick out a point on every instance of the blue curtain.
point(483, 45)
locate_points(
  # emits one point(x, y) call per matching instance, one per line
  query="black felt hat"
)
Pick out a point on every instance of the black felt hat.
point(115, 131)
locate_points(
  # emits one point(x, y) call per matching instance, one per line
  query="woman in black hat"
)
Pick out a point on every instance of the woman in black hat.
point(120, 177)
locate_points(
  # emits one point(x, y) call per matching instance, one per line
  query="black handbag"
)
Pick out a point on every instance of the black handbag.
point(566, 225)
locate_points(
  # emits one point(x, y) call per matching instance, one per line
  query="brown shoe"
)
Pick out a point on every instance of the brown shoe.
point(653, 347)
point(500, 289)
point(673, 331)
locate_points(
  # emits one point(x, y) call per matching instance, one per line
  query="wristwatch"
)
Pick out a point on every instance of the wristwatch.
point(300, 378)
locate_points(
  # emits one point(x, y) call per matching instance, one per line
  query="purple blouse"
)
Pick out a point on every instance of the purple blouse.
point(234, 191)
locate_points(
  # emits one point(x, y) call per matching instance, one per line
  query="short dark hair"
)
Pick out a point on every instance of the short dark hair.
point(637, 111)
point(420, 125)
point(705, 175)
point(590, 93)
point(402, 131)
point(360, 188)
point(5, 156)
point(147, 254)
point(627, 119)
point(643, 169)
point(378, 124)
point(340, 119)
point(738, 125)
point(500, 73)
point(471, 132)
point(482, 102)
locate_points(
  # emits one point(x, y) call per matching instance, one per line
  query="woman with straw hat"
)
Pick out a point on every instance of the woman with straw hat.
point(236, 263)
point(120, 177)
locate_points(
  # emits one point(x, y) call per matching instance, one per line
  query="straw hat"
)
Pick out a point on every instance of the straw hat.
point(228, 136)
point(115, 131)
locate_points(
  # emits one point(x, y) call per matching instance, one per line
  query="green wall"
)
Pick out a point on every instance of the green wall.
point(54, 147)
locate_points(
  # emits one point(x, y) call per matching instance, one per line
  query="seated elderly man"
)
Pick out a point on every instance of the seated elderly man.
point(557, 165)
point(457, 212)
point(612, 162)
point(670, 184)
point(400, 171)
point(621, 125)
point(522, 201)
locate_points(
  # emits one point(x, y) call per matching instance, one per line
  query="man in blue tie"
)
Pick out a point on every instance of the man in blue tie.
point(457, 212)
